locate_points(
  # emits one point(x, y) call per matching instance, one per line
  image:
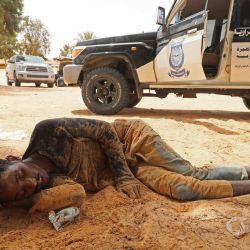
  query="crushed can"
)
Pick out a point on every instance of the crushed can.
point(63, 216)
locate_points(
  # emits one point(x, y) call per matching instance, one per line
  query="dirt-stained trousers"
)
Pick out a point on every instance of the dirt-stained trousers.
point(160, 168)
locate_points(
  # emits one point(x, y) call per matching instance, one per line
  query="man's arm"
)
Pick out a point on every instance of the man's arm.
point(106, 136)
point(63, 193)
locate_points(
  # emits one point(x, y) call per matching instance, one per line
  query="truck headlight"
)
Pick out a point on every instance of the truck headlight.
point(77, 51)
point(50, 70)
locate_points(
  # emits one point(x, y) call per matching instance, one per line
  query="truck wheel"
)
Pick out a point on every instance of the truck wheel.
point(50, 85)
point(105, 91)
point(16, 81)
point(133, 100)
point(246, 102)
point(60, 82)
point(8, 81)
point(38, 84)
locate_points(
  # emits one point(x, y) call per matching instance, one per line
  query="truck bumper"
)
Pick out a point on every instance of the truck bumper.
point(71, 73)
point(42, 77)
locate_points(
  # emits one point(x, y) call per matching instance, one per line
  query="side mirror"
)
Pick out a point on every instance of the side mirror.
point(161, 16)
point(10, 61)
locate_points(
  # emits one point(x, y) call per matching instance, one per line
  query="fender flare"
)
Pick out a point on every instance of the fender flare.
point(115, 55)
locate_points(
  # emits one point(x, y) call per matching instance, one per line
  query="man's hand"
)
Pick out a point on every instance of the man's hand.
point(130, 188)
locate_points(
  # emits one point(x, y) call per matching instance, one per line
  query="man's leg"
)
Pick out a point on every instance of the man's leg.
point(185, 188)
point(141, 142)
point(181, 187)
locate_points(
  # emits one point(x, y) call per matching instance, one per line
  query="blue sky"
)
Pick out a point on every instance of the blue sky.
point(65, 18)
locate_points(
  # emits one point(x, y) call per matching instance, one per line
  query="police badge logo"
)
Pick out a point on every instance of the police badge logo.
point(176, 61)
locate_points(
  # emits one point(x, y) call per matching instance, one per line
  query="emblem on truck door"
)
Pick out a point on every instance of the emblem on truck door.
point(176, 60)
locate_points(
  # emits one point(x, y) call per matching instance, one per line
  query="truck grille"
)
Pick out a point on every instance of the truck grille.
point(37, 69)
point(37, 76)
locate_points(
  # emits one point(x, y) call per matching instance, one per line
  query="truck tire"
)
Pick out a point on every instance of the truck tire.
point(133, 100)
point(8, 81)
point(105, 91)
point(60, 82)
point(246, 102)
point(16, 81)
point(50, 85)
point(38, 84)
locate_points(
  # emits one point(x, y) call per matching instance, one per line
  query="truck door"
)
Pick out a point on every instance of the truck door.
point(240, 25)
point(180, 45)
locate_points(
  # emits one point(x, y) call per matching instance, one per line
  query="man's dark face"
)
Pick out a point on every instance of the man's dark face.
point(21, 180)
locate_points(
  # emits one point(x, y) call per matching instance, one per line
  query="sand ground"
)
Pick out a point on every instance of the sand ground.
point(210, 129)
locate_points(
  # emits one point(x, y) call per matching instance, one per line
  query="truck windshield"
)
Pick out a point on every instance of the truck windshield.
point(31, 59)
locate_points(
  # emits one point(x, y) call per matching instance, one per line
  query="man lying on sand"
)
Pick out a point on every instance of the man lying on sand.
point(66, 156)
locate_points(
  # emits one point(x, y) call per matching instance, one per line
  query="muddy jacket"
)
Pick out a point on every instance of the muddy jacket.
point(81, 149)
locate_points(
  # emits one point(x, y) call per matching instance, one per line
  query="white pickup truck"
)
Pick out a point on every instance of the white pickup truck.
point(29, 69)
point(202, 46)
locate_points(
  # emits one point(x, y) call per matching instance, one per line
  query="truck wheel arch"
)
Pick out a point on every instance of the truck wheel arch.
point(119, 61)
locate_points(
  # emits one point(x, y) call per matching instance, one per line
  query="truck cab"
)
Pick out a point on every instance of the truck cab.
point(201, 46)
